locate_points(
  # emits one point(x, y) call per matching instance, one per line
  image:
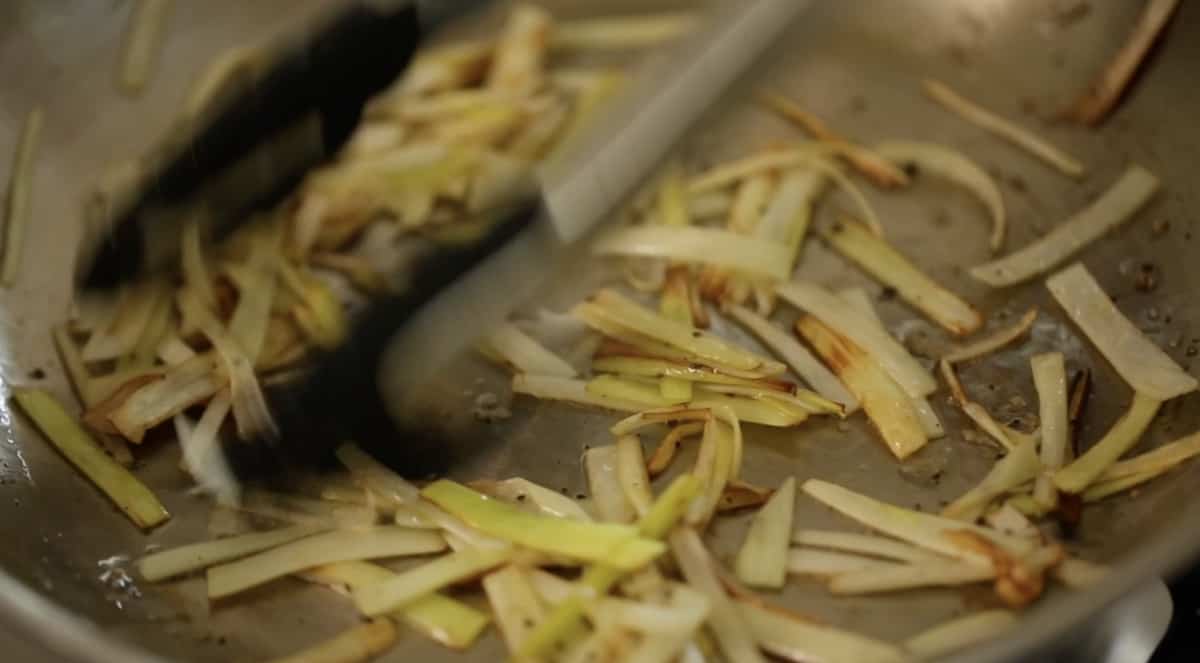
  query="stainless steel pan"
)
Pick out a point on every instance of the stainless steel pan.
point(856, 63)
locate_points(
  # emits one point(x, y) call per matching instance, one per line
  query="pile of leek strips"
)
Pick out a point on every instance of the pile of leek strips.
point(468, 122)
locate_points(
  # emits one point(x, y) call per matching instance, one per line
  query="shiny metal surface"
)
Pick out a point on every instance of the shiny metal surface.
point(856, 64)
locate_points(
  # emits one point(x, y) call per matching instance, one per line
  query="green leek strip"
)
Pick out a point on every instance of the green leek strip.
point(618, 545)
point(440, 618)
point(177, 561)
point(327, 548)
point(1157, 461)
point(411, 585)
point(566, 621)
point(1103, 489)
point(1017, 467)
point(1076, 477)
point(124, 489)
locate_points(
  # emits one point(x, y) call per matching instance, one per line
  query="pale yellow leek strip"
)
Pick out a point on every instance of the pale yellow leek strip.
point(116, 482)
point(442, 619)
point(517, 62)
point(1020, 465)
point(861, 301)
point(649, 392)
point(632, 475)
point(885, 402)
point(1157, 461)
point(143, 42)
point(1081, 473)
point(533, 496)
point(618, 545)
point(1099, 490)
point(825, 563)
point(376, 477)
point(609, 501)
point(187, 384)
point(959, 633)
point(515, 604)
point(1135, 357)
point(999, 126)
point(622, 33)
point(775, 159)
point(952, 165)
point(134, 309)
point(17, 196)
point(842, 317)
point(727, 622)
point(525, 354)
point(565, 622)
point(572, 390)
point(185, 559)
point(1050, 380)
point(885, 577)
point(1118, 204)
point(864, 544)
point(256, 292)
point(793, 637)
point(411, 585)
point(646, 367)
point(713, 464)
point(694, 244)
point(993, 341)
point(762, 559)
point(706, 347)
point(250, 410)
point(796, 356)
point(883, 262)
point(921, 529)
point(336, 546)
point(354, 645)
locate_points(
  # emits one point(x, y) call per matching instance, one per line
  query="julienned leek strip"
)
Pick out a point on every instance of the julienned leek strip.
point(883, 262)
point(124, 489)
point(327, 548)
point(1077, 476)
point(177, 561)
point(619, 545)
point(1004, 128)
point(438, 617)
point(1142, 364)
point(566, 621)
point(886, 404)
point(1118, 204)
